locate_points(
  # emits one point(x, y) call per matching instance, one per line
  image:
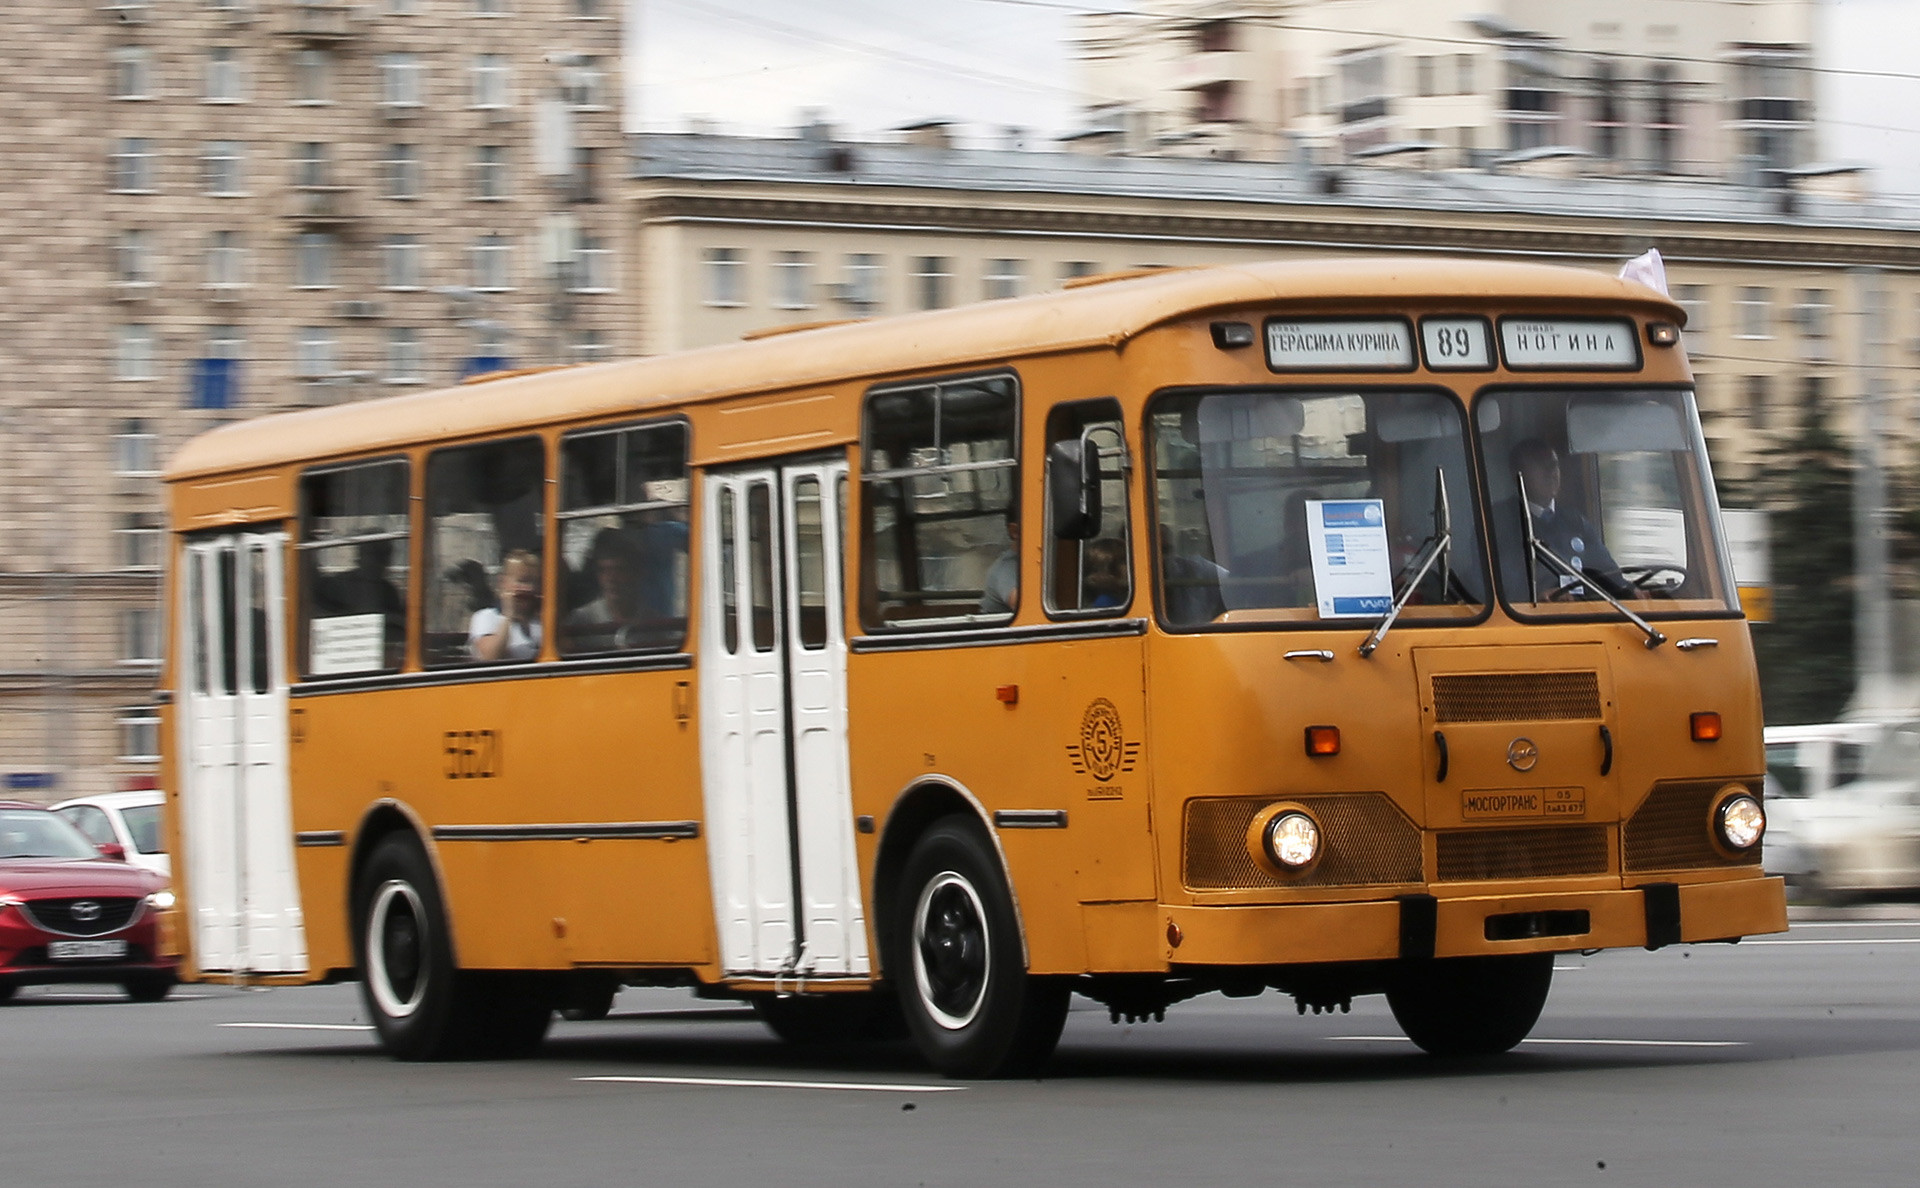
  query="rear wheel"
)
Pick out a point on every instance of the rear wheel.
point(872, 1017)
point(422, 1006)
point(6, 991)
point(149, 987)
point(969, 1003)
point(1470, 1006)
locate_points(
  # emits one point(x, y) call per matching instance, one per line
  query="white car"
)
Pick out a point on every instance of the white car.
point(130, 820)
point(1843, 806)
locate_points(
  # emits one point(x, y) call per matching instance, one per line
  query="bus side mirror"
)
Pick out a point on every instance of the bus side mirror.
point(1073, 489)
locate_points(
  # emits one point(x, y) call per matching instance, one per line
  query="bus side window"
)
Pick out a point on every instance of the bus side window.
point(1089, 570)
point(485, 530)
point(940, 505)
point(623, 539)
point(353, 569)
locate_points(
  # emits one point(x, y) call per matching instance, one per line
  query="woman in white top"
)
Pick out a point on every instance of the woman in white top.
point(511, 632)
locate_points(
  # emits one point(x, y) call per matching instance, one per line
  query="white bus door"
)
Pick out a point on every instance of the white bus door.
point(773, 723)
point(242, 892)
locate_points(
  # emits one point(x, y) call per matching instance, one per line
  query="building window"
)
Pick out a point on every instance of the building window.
point(136, 450)
point(1214, 37)
point(1214, 103)
point(726, 276)
point(222, 166)
point(1770, 109)
point(589, 9)
point(490, 171)
point(932, 282)
point(584, 84)
point(1463, 74)
point(140, 635)
point(400, 171)
point(1002, 278)
point(589, 346)
point(863, 281)
point(1609, 120)
point(1757, 401)
point(310, 165)
point(313, 260)
point(400, 261)
point(139, 734)
point(490, 78)
point(593, 266)
point(312, 71)
point(1532, 103)
point(1075, 269)
point(140, 537)
point(1815, 313)
point(133, 257)
point(1423, 76)
point(400, 78)
point(1755, 312)
point(490, 8)
point(1363, 85)
point(223, 75)
point(1693, 299)
point(406, 362)
point(133, 165)
point(314, 352)
point(226, 260)
point(793, 280)
point(133, 353)
point(216, 373)
point(132, 72)
point(490, 257)
point(1663, 118)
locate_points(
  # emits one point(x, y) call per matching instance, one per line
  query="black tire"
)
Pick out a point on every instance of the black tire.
point(1470, 1006)
point(7, 990)
point(149, 987)
point(955, 961)
point(587, 1001)
point(421, 1004)
point(819, 1019)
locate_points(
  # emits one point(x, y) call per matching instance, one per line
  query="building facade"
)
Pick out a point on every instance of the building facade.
point(227, 207)
point(1632, 87)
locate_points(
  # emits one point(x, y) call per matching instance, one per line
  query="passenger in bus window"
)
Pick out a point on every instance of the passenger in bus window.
point(1002, 595)
point(615, 566)
point(512, 631)
point(1569, 535)
point(1105, 578)
point(1192, 582)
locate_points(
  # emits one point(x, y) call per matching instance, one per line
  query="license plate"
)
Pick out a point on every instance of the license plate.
point(85, 950)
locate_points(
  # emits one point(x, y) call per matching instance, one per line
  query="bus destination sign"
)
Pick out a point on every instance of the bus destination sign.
point(1320, 344)
point(1573, 343)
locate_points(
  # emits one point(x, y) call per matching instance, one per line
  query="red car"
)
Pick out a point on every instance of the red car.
point(71, 912)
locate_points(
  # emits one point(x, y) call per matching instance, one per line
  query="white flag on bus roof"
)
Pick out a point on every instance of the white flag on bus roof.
point(1648, 269)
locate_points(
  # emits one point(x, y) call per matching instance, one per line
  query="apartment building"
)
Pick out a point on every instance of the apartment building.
point(220, 208)
point(1645, 87)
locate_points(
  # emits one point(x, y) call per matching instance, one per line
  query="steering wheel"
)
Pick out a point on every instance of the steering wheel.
point(1642, 577)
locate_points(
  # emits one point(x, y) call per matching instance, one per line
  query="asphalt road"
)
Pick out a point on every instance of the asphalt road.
point(1787, 1060)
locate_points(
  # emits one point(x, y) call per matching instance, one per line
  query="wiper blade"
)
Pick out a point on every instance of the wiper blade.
point(1537, 548)
point(1436, 551)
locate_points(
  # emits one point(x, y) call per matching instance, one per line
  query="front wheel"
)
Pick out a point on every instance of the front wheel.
point(149, 987)
point(1470, 1006)
point(970, 1005)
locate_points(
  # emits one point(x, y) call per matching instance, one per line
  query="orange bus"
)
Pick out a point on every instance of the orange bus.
point(1338, 628)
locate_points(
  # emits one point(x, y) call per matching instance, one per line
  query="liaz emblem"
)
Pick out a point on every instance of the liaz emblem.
point(1103, 751)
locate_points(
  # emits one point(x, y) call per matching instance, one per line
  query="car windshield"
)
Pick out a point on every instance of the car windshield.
point(143, 825)
point(37, 833)
point(1783, 764)
point(1619, 502)
point(1303, 506)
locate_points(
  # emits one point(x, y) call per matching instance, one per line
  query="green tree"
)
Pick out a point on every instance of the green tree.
point(1806, 652)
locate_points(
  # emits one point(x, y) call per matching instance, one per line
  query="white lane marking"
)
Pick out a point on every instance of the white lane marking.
point(732, 1083)
point(1840, 940)
point(1608, 1043)
point(302, 1026)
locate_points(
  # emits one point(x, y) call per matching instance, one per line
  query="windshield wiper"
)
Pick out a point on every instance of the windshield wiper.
point(1537, 548)
point(1437, 550)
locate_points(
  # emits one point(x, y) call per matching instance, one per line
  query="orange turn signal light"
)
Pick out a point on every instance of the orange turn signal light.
point(1323, 740)
point(1706, 727)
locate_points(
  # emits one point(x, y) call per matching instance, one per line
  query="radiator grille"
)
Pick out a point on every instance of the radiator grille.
point(95, 916)
point(1368, 841)
point(1515, 696)
point(1672, 831)
point(1531, 852)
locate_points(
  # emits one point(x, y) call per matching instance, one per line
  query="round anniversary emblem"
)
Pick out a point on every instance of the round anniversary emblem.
point(1522, 754)
point(1101, 741)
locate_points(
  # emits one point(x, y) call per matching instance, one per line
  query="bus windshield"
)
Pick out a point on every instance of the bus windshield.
point(1618, 496)
point(1285, 506)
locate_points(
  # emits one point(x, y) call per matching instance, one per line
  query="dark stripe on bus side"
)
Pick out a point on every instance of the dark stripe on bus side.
point(994, 637)
point(321, 837)
point(539, 670)
point(1030, 818)
point(613, 831)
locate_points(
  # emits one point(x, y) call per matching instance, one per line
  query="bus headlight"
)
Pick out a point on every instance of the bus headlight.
point(1740, 821)
point(1285, 839)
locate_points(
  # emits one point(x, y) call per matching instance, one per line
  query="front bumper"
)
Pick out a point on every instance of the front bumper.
point(1422, 926)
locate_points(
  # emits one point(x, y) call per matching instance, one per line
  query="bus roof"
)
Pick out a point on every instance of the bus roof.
point(1101, 314)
